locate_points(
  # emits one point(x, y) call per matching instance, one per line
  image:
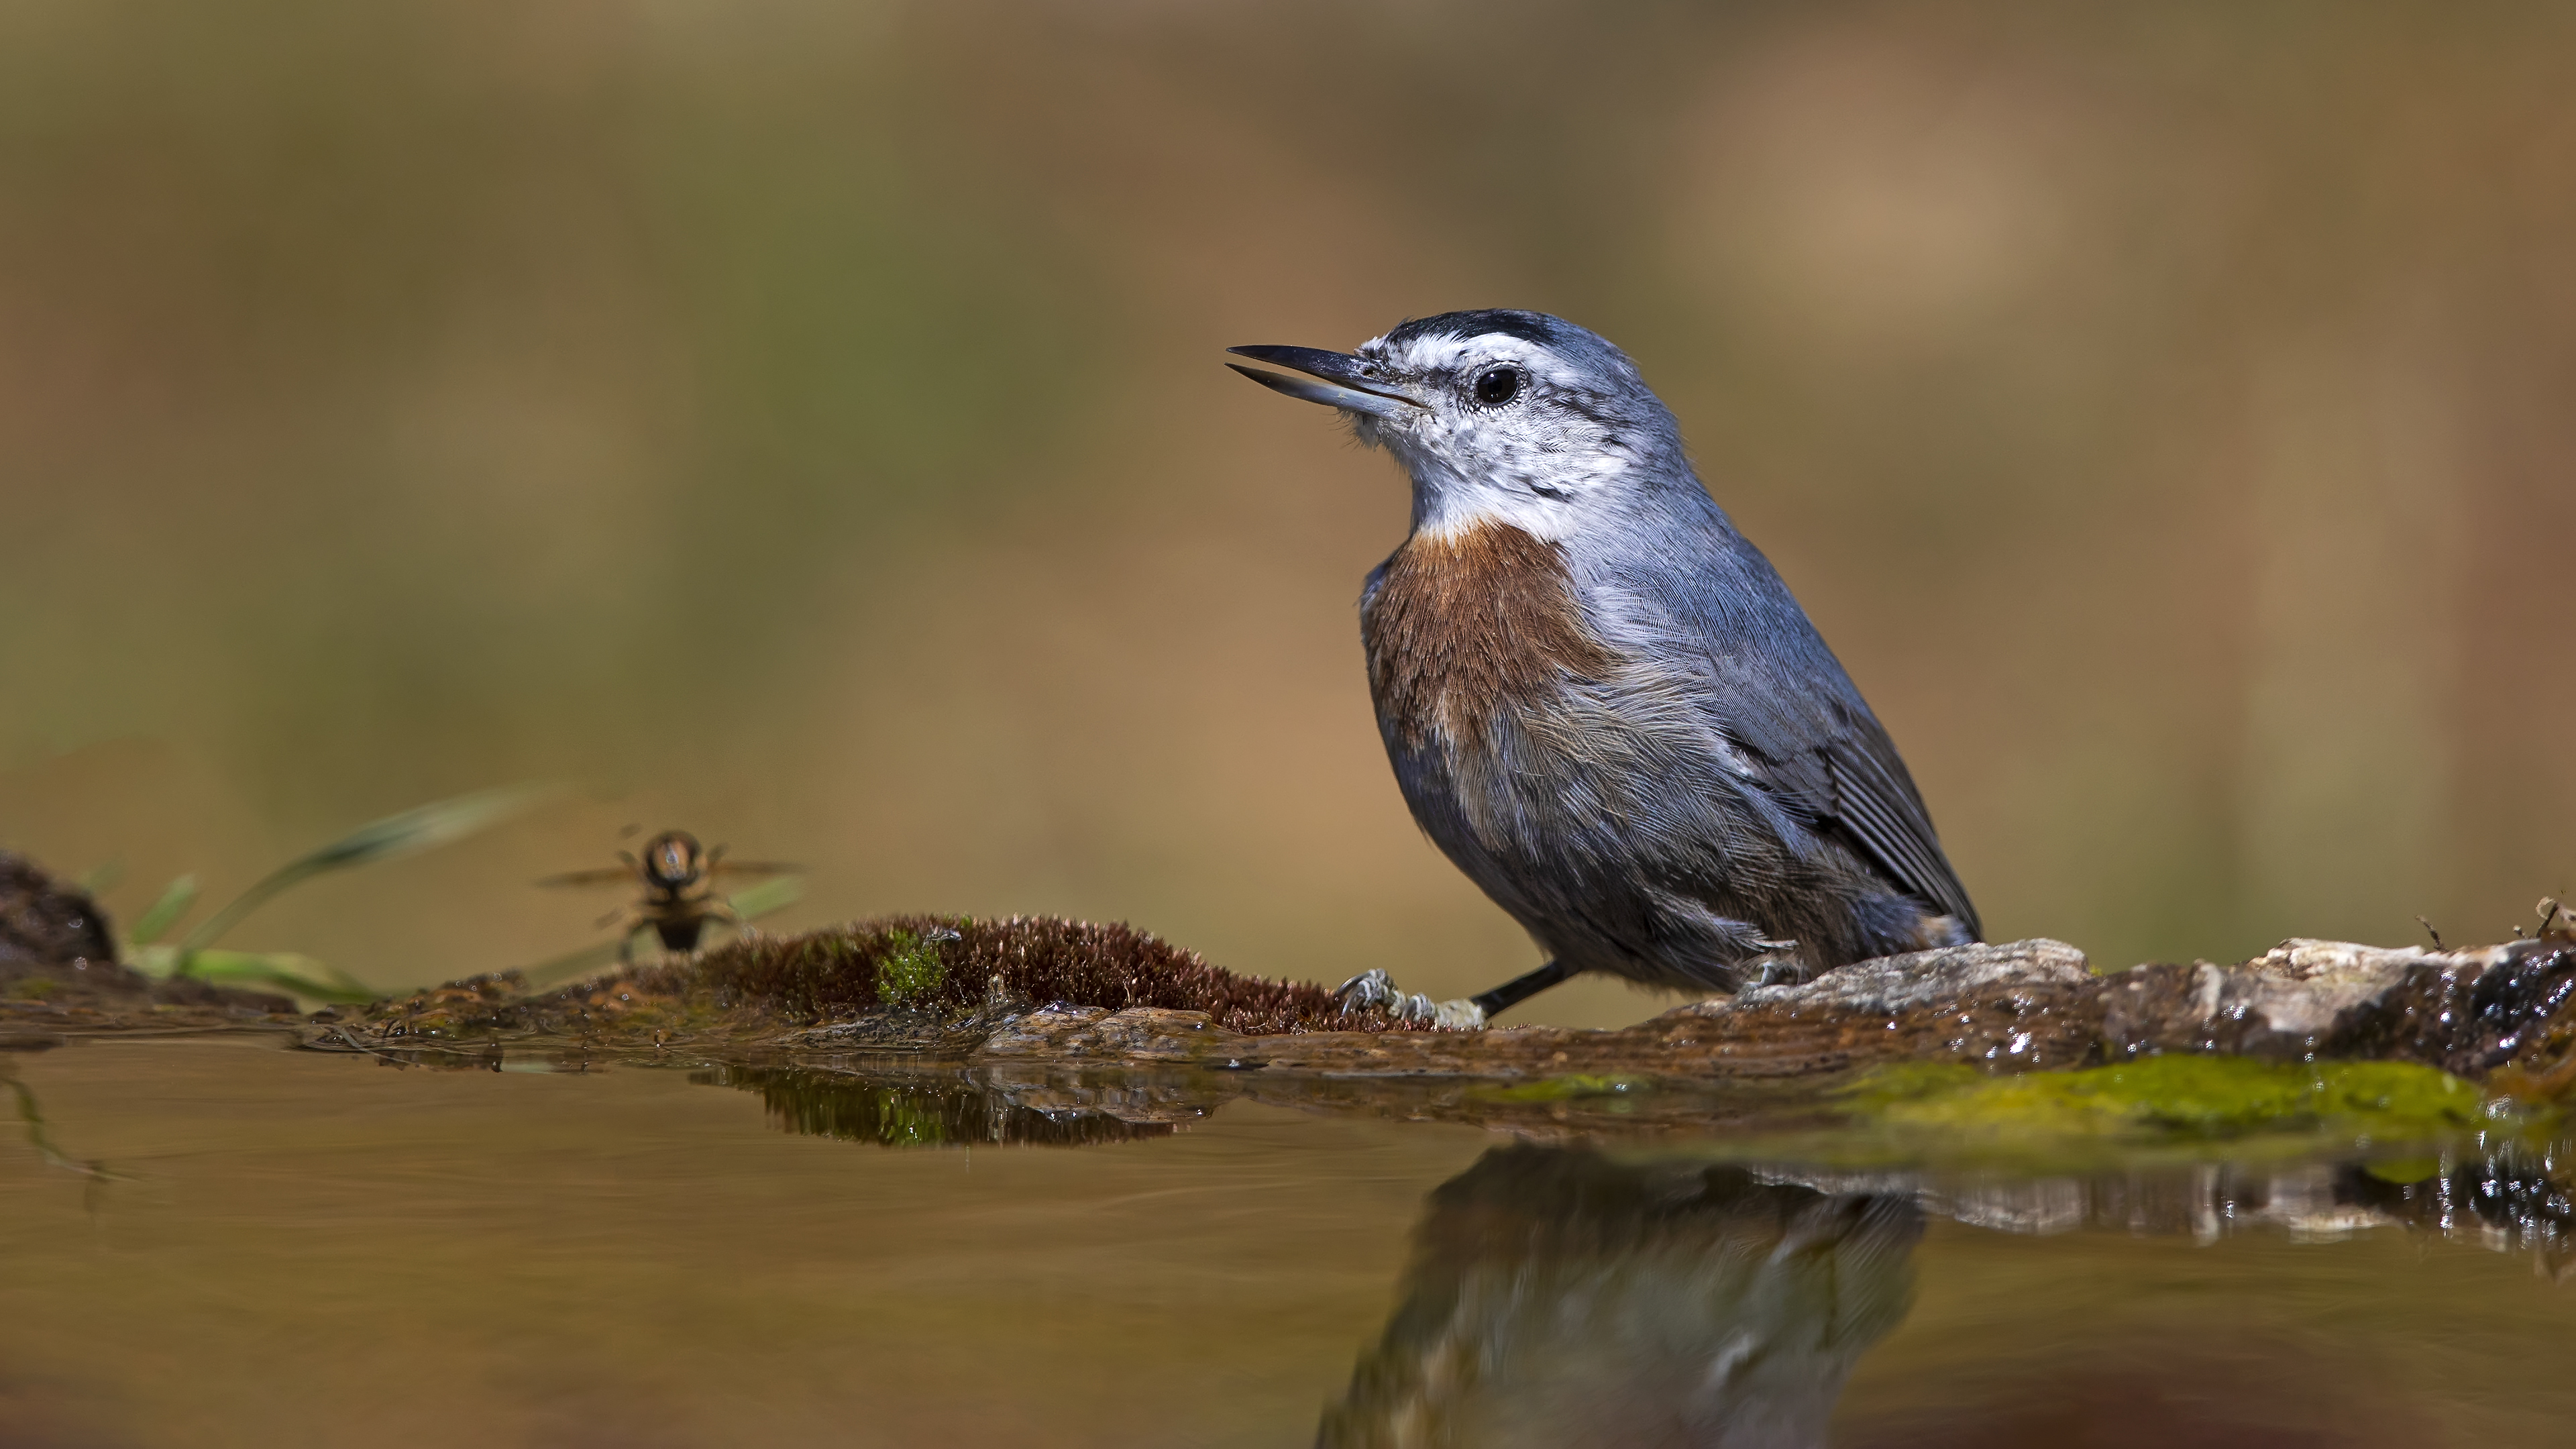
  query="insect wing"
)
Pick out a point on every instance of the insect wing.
point(607, 875)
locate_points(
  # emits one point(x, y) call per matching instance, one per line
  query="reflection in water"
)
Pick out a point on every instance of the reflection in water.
point(2513, 1197)
point(2519, 1198)
point(40, 1136)
point(921, 1111)
point(1559, 1297)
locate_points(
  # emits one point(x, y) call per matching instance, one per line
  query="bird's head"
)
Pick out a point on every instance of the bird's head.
point(1502, 417)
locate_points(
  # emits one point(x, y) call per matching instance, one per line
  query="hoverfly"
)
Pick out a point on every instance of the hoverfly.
point(680, 897)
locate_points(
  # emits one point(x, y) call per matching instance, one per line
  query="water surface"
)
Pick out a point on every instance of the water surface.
point(286, 1248)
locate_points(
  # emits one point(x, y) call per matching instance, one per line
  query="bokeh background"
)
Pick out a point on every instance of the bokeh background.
point(803, 423)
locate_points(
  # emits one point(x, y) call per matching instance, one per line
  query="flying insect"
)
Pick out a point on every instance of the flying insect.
point(680, 896)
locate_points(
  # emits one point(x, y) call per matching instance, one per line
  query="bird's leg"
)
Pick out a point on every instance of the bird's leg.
point(1467, 1013)
point(1491, 1004)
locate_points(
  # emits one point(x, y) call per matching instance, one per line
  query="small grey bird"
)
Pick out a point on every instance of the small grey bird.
point(1601, 701)
point(1557, 1297)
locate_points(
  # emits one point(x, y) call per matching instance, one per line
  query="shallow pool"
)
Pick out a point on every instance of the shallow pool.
point(233, 1242)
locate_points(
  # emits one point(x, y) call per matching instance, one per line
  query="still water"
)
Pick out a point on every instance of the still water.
point(283, 1248)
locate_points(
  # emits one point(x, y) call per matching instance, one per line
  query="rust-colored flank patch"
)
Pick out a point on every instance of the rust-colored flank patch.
point(1459, 628)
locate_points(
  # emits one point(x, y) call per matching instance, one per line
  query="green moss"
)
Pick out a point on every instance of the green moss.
point(2404, 1171)
point(2179, 1096)
point(34, 988)
point(1564, 1088)
point(910, 970)
point(903, 1122)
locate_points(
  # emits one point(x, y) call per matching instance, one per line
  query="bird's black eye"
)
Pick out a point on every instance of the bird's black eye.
point(1496, 386)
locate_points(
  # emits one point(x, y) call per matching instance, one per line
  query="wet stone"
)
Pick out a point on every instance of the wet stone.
point(2002, 1008)
point(2468, 1012)
point(1139, 1034)
point(1045, 990)
point(2014, 1006)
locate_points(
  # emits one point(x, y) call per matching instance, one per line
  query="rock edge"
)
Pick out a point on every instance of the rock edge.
point(2490, 1012)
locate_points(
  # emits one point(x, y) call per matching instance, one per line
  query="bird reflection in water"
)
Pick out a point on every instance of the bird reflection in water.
point(1558, 1297)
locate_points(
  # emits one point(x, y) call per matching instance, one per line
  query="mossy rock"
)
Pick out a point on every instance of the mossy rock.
point(958, 964)
point(915, 982)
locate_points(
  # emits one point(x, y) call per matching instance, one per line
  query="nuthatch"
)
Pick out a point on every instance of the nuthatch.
point(1601, 701)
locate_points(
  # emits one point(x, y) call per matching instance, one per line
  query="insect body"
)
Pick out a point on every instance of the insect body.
point(680, 897)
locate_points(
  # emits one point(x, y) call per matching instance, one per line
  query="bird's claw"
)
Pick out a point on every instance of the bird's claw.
point(1369, 988)
point(1376, 990)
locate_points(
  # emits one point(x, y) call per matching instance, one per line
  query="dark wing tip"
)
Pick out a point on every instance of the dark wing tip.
point(1882, 810)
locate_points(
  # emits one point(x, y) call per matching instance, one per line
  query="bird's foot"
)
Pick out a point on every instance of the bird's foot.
point(1778, 965)
point(1369, 988)
point(1376, 989)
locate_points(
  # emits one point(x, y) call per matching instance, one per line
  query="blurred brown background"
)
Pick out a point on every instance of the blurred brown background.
point(803, 423)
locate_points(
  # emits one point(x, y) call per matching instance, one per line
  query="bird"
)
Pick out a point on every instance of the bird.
point(1559, 1296)
point(1601, 701)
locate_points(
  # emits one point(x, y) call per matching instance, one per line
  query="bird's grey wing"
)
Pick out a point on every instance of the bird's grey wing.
point(1874, 799)
point(1839, 769)
point(1776, 690)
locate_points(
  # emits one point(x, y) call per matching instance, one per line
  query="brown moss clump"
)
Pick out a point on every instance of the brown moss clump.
point(44, 922)
point(57, 951)
point(952, 964)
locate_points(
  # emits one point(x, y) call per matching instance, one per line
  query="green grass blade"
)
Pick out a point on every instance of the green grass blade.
point(424, 827)
point(770, 896)
point(278, 971)
point(417, 829)
point(260, 970)
point(164, 913)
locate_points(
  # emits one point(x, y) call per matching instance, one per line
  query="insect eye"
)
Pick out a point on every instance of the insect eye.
point(1496, 386)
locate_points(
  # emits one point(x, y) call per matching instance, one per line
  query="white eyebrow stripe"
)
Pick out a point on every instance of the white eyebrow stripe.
point(1443, 353)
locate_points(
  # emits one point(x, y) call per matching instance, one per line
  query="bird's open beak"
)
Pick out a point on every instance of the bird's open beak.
point(1346, 383)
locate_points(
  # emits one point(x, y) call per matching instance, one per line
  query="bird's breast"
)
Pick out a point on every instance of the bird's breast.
point(1463, 627)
